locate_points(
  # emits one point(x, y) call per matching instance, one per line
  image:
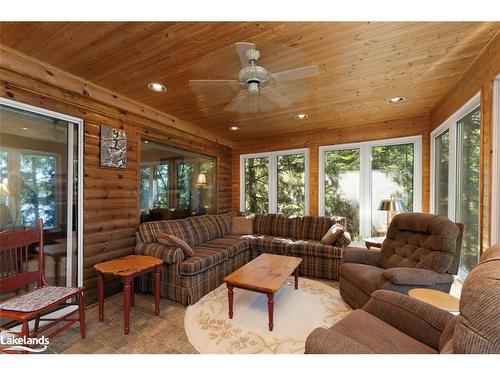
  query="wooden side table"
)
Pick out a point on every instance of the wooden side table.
point(128, 268)
point(374, 242)
point(436, 298)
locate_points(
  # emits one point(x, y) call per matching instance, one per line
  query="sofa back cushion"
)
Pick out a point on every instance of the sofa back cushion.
point(205, 228)
point(224, 221)
point(181, 228)
point(418, 240)
point(315, 227)
point(477, 328)
point(263, 223)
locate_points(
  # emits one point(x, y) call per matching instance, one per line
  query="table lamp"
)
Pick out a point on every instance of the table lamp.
point(391, 205)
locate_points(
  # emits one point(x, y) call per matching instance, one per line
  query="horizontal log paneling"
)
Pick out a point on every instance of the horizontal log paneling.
point(417, 125)
point(111, 197)
point(478, 77)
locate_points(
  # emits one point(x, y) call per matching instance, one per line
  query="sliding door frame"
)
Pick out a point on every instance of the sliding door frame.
point(495, 180)
point(365, 176)
point(72, 121)
point(273, 176)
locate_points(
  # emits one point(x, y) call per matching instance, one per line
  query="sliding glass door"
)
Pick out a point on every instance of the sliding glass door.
point(40, 179)
point(455, 177)
point(355, 178)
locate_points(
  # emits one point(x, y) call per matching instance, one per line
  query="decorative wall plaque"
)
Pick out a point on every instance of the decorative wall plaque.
point(113, 147)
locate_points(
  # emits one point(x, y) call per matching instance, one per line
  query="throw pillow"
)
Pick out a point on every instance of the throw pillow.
point(333, 234)
point(170, 240)
point(242, 225)
point(344, 240)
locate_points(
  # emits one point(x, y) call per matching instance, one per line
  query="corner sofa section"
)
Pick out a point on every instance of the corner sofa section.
point(218, 253)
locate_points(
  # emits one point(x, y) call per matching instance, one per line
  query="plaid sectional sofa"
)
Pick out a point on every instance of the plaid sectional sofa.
point(218, 253)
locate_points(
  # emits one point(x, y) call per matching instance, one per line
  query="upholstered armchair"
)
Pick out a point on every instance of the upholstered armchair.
point(420, 251)
point(396, 323)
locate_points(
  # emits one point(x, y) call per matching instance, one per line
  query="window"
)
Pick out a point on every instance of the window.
point(455, 177)
point(354, 178)
point(175, 183)
point(275, 182)
point(495, 178)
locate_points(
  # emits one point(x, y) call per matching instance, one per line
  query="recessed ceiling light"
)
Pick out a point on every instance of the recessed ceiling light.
point(158, 87)
point(396, 99)
point(146, 142)
point(25, 128)
point(234, 128)
point(301, 116)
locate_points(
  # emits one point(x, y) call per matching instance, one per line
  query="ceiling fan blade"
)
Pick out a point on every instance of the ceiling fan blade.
point(241, 48)
point(238, 103)
point(293, 74)
point(214, 82)
point(275, 97)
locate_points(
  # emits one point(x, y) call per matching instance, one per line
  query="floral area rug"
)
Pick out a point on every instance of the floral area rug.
point(296, 314)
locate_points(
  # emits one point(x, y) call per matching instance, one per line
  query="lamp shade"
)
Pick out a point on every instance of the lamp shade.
point(4, 189)
point(202, 179)
point(391, 205)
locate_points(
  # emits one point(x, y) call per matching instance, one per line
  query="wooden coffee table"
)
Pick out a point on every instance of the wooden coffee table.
point(265, 274)
point(127, 268)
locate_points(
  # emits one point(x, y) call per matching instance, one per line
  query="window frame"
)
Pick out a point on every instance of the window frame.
point(273, 176)
point(495, 181)
point(365, 173)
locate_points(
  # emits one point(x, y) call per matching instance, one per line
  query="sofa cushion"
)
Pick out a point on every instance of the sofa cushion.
point(224, 222)
point(343, 241)
point(376, 335)
point(168, 254)
point(315, 227)
point(363, 276)
point(263, 223)
point(232, 244)
point(420, 241)
point(206, 257)
point(179, 228)
point(242, 225)
point(332, 234)
point(172, 241)
point(205, 227)
point(286, 226)
point(269, 244)
point(315, 249)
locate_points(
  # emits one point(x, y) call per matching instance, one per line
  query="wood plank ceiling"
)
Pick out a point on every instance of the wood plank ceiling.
point(361, 65)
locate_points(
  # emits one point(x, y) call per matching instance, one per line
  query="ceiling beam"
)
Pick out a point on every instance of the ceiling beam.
point(26, 65)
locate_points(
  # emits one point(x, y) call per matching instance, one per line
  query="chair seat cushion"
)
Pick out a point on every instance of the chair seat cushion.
point(315, 249)
point(38, 299)
point(377, 335)
point(269, 244)
point(363, 276)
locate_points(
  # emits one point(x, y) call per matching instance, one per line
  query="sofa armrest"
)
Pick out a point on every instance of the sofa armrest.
point(168, 254)
point(423, 322)
point(360, 255)
point(416, 276)
point(328, 341)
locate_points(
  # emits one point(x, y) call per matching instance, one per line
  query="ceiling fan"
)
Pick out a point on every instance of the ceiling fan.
point(254, 80)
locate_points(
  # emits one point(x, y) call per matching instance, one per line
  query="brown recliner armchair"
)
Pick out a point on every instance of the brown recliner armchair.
point(420, 251)
point(396, 323)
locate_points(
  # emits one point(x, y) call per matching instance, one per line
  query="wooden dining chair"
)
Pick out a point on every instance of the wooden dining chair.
point(32, 305)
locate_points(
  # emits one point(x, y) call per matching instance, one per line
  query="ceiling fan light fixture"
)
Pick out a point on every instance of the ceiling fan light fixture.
point(395, 100)
point(158, 87)
point(234, 128)
point(301, 116)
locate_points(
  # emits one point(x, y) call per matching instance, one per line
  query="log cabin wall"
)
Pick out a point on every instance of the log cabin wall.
point(478, 77)
point(111, 199)
point(404, 127)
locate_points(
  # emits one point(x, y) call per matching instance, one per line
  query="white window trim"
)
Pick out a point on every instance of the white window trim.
point(79, 122)
point(451, 125)
point(273, 177)
point(365, 176)
point(495, 183)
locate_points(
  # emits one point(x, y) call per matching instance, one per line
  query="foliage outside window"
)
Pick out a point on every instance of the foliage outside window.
point(257, 185)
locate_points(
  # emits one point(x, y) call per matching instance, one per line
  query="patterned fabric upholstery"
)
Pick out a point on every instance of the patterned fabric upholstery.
point(166, 253)
point(179, 228)
point(286, 226)
point(263, 223)
point(315, 227)
point(205, 227)
point(314, 248)
point(206, 257)
point(38, 299)
point(224, 222)
point(420, 241)
point(269, 244)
